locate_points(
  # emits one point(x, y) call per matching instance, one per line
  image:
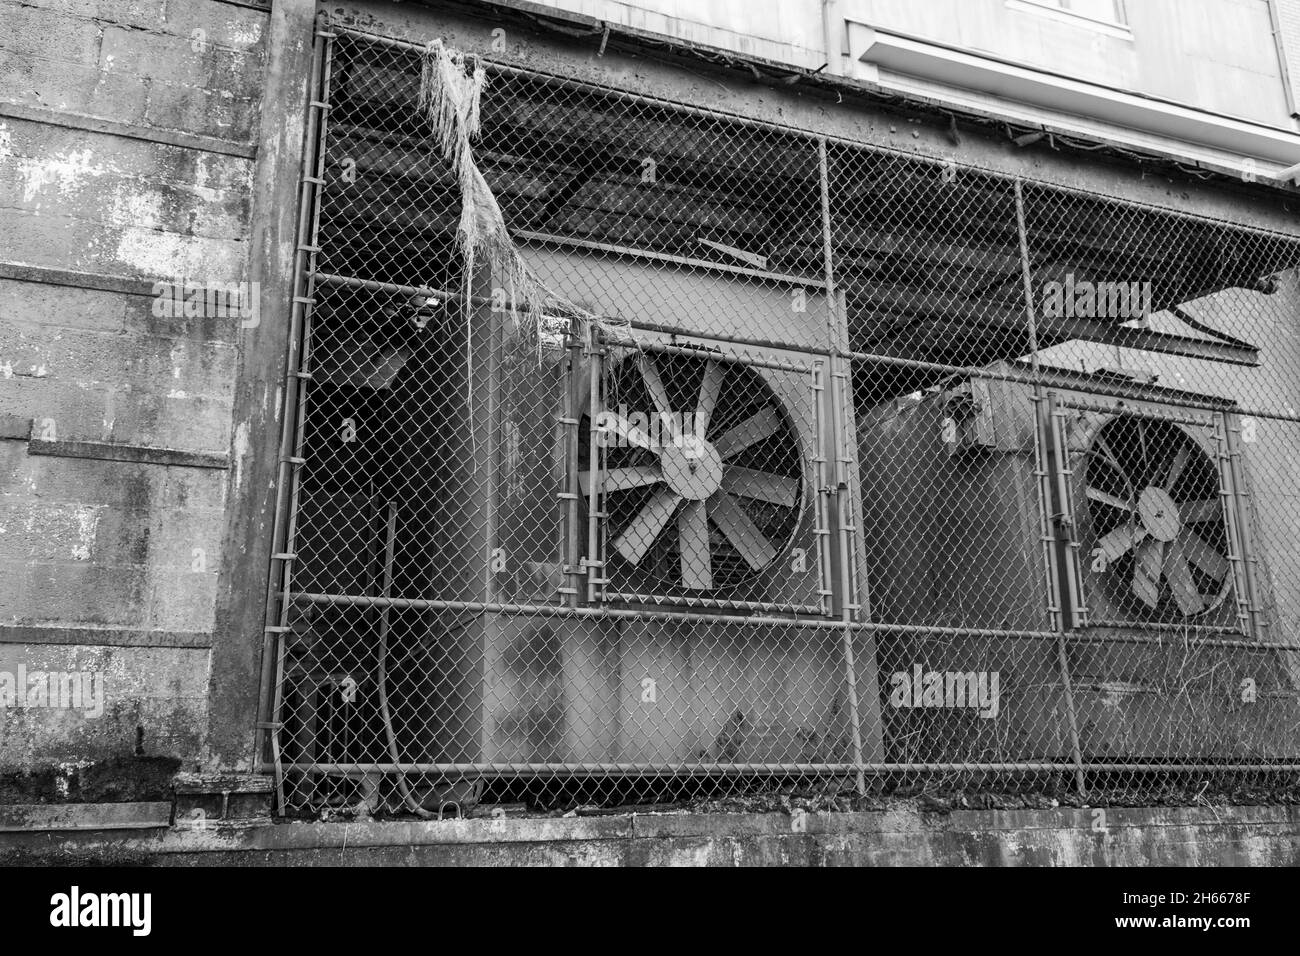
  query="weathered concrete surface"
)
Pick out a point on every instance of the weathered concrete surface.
point(144, 700)
point(192, 66)
point(128, 134)
point(1220, 836)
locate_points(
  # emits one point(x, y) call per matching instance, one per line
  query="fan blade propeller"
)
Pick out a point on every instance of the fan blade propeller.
point(1116, 544)
point(1096, 494)
point(658, 394)
point(741, 531)
point(1197, 511)
point(649, 522)
point(1147, 563)
point(610, 423)
point(1202, 555)
point(1108, 456)
point(761, 485)
point(1179, 576)
point(1176, 466)
point(709, 389)
point(693, 543)
point(620, 479)
point(754, 429)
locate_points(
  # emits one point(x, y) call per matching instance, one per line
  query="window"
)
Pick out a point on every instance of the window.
point(1101, 11)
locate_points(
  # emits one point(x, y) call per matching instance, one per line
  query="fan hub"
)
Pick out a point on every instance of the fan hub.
point(691, 467)
point(1159, 514)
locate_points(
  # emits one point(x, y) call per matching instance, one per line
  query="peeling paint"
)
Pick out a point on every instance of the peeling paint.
point(65, 171)
point(87, 524)
point(245, 31)
point(241, 448)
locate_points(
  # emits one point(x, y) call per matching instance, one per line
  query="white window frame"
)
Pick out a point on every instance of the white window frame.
point(1046, 8)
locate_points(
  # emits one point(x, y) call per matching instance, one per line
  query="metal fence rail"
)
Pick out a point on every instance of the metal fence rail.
point(814, 465)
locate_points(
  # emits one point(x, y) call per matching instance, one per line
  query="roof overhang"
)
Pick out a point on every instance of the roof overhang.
point(962, 70)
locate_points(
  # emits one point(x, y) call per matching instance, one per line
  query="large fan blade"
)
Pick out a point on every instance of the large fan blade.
point(709, 389)
point(620, 426)
point(1146, 458)
point(741, 531)
point(761, 485)
point(693, 543)
point(1096, 494)
point(647, 525)
point(1194, 511)
point(1202, 555)
point(1116, 544)
point(1147, 562)
point(620, 479)
point(658, 394)
point(752, 430)
point(1108, 456)
point(1176, 466)
point(1179, 576)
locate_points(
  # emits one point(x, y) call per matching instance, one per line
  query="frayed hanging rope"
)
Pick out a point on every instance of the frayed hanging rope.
point(451, 89)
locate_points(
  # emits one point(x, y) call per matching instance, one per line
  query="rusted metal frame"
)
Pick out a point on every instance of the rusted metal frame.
point(772, 607)
point(834, 470)
point(372, 285)
point(821, 512)
point(1059, 590)
point(1168, 343)
point(1238, 510)
point(1132, 393)
point(1064, 478)
point(1136, 412)
point(279, 585)
point(811, 135)
point(1235, 557)
point(748, 361)
point(570, 494)
point(739, 119)
point(526, 237)
point(1125, 635)
point(594, 563)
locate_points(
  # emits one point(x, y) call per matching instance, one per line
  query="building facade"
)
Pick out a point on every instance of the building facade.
point(423, 403)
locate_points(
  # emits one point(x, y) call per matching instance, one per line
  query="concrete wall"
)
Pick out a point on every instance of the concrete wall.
point(1184, 837)
point(127, 137)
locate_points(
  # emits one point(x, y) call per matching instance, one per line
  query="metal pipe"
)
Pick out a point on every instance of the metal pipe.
point(525, 236)
point(700, 769)
point(1131, 412)
point(838, 477)
point(293, 429)
point(596, 570)
point(627, 597)
point(745, 360)
point(821, 516)
point(1236, 555)
point(1242, 509)
point(381, 666)
point(1046, 424)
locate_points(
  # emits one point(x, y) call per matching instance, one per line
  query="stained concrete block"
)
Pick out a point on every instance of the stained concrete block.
point(153, 700)
point(198, 71)
point(125, 485)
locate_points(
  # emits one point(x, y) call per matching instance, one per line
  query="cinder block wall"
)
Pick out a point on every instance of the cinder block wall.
point(128, 132)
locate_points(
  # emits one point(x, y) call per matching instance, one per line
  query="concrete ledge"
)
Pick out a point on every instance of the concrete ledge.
point(1210, 836)
point(46, 818)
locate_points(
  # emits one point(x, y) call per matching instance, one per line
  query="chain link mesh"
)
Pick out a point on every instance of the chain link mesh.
point(883, 473)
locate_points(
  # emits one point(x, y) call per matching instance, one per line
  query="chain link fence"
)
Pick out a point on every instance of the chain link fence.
point(818, 466)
